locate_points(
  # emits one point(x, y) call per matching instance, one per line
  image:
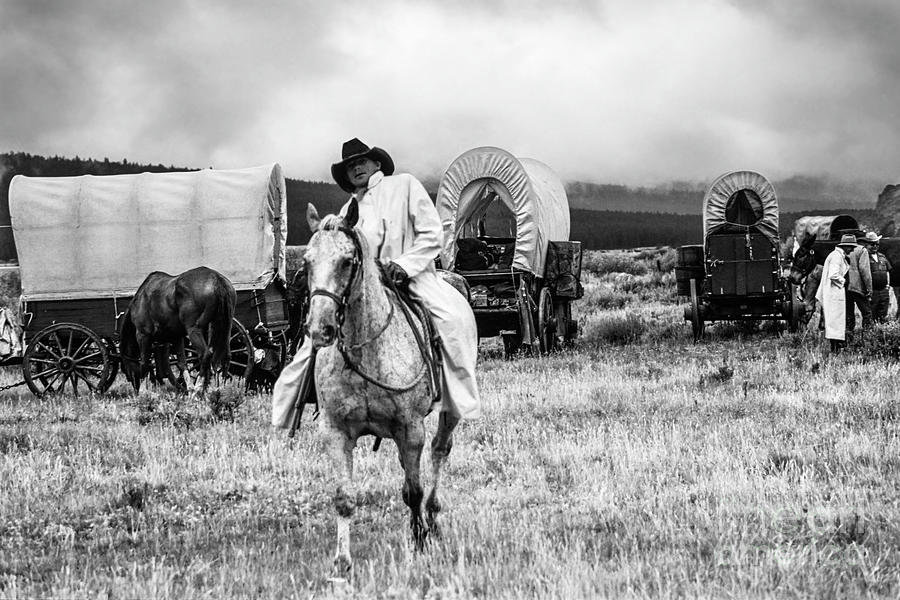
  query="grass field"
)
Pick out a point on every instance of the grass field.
point(637, 464)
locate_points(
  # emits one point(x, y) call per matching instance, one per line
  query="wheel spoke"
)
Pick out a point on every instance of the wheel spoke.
point(89, 356)
point(86, 381)
point(81, 347)
point(48, 350)
point(53, 369)
point(69, 346)
point(45, 361)
point(48, 387)
point(59, 343)
point(74, 380)
point(91, 368)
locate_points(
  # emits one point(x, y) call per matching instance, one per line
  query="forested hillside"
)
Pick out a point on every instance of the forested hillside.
point(654, 224)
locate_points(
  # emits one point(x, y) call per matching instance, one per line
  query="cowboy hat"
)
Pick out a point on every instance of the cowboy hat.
point(871, 237)
point(848, 240)
point(352, 150)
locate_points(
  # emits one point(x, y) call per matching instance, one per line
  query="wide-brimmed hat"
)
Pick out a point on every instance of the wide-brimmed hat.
point(848, 240)
point(354, 149)
point(871, 237)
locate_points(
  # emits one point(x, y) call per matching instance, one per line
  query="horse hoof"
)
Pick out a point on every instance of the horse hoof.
point(339, 585)
point(341, 569)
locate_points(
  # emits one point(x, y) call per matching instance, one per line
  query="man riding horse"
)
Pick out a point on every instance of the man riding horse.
point(401, 225)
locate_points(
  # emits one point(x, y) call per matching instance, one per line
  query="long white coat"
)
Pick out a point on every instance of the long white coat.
point(831, 294)
point(402, 225)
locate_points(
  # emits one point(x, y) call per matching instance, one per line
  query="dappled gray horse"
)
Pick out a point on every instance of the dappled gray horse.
point(370, 371)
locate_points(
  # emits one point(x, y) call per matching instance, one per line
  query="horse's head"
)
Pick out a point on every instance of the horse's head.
point(804, 260)
point(333, 261)
point(130, 351)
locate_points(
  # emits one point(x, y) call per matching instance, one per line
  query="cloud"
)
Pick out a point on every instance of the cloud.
point(633, 92)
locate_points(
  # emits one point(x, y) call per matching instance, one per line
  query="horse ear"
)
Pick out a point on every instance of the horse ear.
point(312, 217)
point(352, 215)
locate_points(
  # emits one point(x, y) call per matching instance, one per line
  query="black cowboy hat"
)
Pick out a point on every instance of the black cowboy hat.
point(354, 149)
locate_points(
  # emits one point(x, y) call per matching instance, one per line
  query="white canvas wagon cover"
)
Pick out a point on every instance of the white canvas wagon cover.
point(738, 201)
point(100, 236)
point(823, 227)
point(531, 190)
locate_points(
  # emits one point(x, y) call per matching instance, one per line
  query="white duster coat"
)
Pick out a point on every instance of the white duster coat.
point(402, 225)
point(831, 294)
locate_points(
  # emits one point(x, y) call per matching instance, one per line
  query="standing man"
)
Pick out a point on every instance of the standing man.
point(831, 294)
point(880, 267)
point(401, 224)
point(859, 287)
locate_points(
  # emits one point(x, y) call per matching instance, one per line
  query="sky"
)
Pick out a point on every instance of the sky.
point(638, 92)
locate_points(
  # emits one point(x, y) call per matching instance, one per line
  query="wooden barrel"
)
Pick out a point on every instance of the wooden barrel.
point(690, 256)
point(683, 276)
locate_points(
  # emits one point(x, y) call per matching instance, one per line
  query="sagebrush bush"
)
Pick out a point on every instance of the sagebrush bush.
point(602, 263)
point(602, 297)
point(881, 342)
point(615, 328)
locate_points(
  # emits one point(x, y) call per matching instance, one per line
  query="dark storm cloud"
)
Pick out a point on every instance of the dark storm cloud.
point(627, 91)
point(161, 80)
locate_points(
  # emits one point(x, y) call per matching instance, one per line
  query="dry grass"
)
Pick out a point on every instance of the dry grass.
point(744, 466)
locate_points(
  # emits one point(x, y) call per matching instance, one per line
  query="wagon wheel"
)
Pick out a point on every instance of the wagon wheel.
point(697, 325)
point(66, 354)
point(114, 360)
point(546, 322)
point(241, 356)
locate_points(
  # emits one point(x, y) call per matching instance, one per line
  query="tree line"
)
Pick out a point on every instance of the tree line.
point(596, 229)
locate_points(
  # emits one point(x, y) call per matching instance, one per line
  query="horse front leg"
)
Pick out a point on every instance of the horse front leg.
point(340, 449)
point(161, 361)
point(204, 357)
point(145, 345)
point(410, 442)
point(441, 445)
point(184, 381)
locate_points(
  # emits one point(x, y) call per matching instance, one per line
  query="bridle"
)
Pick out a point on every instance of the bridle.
point(808, 256)
point(342, 301)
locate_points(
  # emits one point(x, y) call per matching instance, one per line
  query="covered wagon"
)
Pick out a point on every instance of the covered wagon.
point(823, 227)
point(736, 273)
point(506, 230)
point(86, 243)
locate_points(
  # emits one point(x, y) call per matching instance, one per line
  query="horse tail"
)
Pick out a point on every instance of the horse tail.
point(220, 325)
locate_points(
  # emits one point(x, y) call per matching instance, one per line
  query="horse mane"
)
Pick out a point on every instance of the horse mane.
point(333, 222)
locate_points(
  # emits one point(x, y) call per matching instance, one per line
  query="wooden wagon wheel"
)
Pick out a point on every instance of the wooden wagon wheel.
point(546, 321)
point(66, 354)
point(241, 356)
point(697, 325)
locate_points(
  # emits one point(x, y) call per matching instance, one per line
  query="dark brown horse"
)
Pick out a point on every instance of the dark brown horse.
point(197, 304)
point(806, 270)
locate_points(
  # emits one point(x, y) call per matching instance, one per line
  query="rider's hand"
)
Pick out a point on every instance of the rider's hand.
point(396, 273)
